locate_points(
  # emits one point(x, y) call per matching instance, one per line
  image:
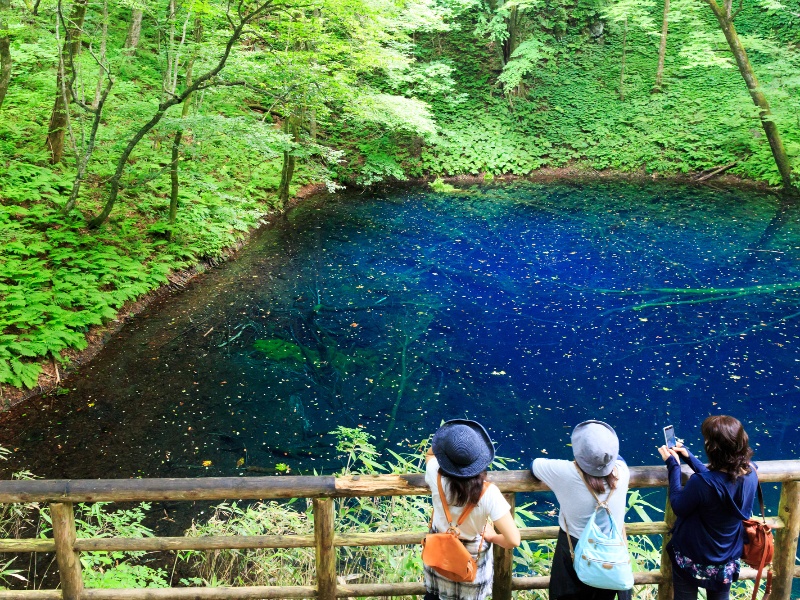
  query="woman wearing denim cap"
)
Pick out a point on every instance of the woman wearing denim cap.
point(597, 464)
point(460, 452)
point(707, 539)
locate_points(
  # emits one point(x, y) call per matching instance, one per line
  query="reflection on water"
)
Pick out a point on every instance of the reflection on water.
point(529, 307)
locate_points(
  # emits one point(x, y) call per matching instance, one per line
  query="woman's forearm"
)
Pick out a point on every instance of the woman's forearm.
point(501, 541)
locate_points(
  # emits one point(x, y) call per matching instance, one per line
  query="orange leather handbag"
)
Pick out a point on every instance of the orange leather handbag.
point(759, 547)
point(444, 552)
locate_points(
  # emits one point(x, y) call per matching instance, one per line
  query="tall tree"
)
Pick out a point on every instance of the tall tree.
point(725, 16)
point(134, 31)
point(240, 18)
point(5, 51)
point(59, 119)
point(637, 12)
point(176, 140)
point(94, 108)
point(662, 48)
point(290, 127)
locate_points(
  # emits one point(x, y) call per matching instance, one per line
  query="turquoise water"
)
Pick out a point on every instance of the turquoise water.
point(529, 307)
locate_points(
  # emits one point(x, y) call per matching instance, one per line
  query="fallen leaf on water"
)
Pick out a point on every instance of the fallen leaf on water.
point(206, 463)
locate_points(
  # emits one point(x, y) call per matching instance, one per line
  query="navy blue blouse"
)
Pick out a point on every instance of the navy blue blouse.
point(710, 509)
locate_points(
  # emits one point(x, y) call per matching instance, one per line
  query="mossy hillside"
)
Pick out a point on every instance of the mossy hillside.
point(571, 111)
point(59, 278)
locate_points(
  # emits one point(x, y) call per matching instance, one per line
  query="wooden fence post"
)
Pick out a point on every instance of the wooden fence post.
point(503, 564)
point(665, 591)
point(69, 564)
point(786, 541)
point(325, 550)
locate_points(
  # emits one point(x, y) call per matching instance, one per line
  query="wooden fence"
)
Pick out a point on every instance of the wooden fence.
point(61, 494)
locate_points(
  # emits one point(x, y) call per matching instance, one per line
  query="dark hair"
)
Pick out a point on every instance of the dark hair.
point(727, 445)
point(597, 483)
point(465, 491)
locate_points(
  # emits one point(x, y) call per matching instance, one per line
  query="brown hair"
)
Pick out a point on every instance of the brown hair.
point(597, 483)
point(727, 445)
point(465, 491)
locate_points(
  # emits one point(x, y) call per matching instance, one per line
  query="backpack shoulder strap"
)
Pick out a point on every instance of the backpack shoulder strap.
point(443, 498)
point(600, 503)
point(468, 508)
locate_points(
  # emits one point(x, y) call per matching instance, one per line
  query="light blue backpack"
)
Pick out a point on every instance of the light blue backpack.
point(601, 559)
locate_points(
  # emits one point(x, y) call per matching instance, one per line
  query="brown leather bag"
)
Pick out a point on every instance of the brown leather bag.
point(444, 552)
point(759, 547)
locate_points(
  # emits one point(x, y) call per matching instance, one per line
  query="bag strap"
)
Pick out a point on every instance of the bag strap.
point(768, 589)
point(600, 504)
point(758, 577)
point(467, 509)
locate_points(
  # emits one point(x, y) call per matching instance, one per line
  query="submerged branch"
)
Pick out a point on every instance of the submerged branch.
point(740, 291)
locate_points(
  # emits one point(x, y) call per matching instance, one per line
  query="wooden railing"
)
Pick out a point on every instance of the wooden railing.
point(61, 494)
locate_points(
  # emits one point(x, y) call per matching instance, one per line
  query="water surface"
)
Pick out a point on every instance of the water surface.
point(529, 307)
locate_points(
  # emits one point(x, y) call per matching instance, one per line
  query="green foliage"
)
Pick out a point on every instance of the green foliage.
point(278, 349)
point(441, 187)
point(116, 569)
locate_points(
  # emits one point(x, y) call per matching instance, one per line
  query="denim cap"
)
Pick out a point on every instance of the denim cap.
point(595, 446)
point(462, 448)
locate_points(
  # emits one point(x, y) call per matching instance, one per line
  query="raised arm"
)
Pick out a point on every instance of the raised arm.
point(506, 534)
point(684, 499)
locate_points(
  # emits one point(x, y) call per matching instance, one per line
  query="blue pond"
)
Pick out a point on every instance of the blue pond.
point(528, 307)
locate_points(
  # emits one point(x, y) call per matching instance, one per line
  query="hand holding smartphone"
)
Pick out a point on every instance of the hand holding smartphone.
point(669, 436)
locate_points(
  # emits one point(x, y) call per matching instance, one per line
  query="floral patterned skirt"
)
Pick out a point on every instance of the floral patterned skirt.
point(713, 577)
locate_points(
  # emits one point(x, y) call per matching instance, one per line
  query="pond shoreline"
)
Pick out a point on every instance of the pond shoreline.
point(579, 173)
point(53, 377)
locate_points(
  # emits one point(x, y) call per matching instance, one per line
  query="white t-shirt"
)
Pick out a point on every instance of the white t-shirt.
point(575, 501)
point(491, 505)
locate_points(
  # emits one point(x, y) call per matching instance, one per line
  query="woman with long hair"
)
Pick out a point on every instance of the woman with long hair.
point(597, 470)
point(456, 464)
point(708, 536)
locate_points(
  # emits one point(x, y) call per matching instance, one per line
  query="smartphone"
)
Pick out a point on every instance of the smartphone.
point(669, 436)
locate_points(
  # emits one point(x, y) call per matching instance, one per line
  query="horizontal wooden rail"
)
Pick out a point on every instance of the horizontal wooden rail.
point(280, 487)
point(62, 493)
point(342, 591)
point(241, 542)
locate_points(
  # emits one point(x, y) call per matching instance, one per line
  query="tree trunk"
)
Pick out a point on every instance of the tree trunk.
point(5, 51)
point(101, 68)
point(173, 177)
point(83, 161)
point(134, 31)
point(96, 109)
point(60, 115)
point(176, 142)
point(622, 62)
point(662, 49)
point(759, 99)
point(512, 25)
point(287, 172)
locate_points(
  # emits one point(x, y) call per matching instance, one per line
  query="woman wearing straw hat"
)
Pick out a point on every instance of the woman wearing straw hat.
point(459, 455)
point(597, 464)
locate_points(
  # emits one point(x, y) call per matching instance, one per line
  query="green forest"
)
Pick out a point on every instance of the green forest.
point(139, 138)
